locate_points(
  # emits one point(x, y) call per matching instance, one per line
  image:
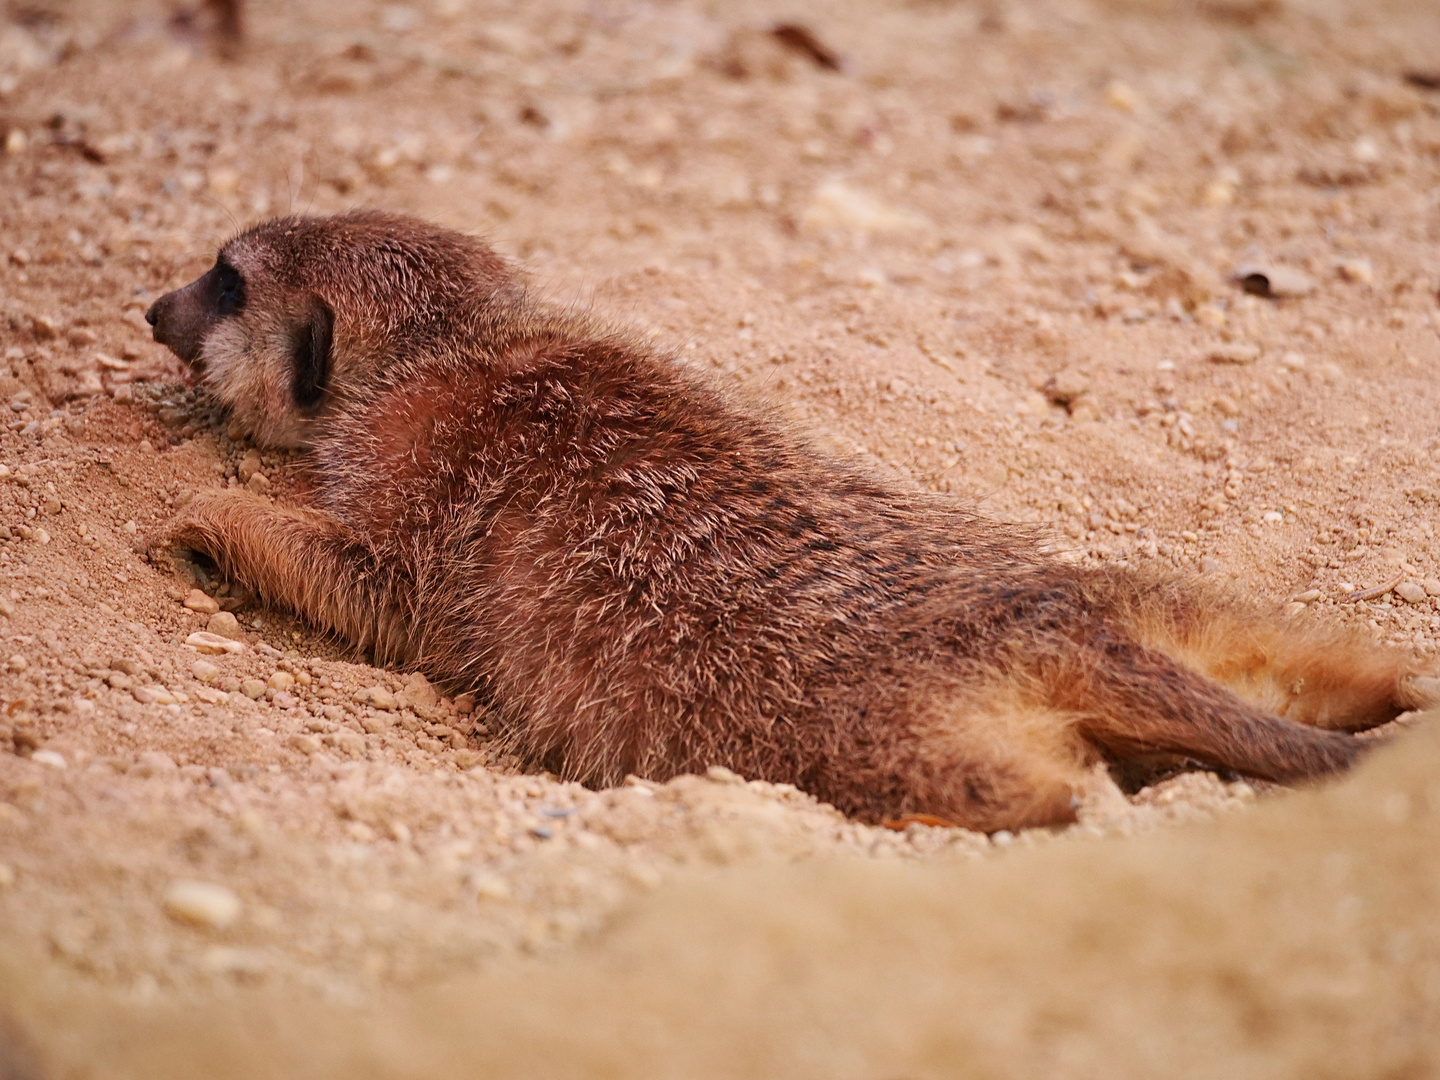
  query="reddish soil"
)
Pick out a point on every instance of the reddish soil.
point(1161, 274)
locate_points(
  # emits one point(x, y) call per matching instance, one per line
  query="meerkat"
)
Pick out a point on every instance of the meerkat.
point(642, 576)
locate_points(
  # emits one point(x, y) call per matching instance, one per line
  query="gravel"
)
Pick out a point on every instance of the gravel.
point(203, 904)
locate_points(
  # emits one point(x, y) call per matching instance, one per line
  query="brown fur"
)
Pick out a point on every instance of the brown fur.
point(644, 578)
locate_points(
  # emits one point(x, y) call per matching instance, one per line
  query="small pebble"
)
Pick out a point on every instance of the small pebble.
point(211, 696)
point(48, 757)
point(1065, 386)
point(254, 689)
point(379, 697)
point(1358, 271)
point(196, 600)
point(1234, 353)
point(1412, 592)
point(224, 624)
point(418, 691)
point(1432, 586)
point(202, 904)
point(1118, 95)
point(349, 741)
point(284, 700)
point(835, 207)
point(1307, 597)
point(489, 886)
point(1219, 193)
point(1276, 282)
point(249, 465)
point(213, 644)
point(205, 672)
point(257, 484)
point(305, 744)
point(282, 680)
point(17, 663)
point(1226, 406)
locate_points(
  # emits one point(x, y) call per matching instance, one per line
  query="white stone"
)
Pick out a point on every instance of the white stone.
point(1412, 592)
point(836, 207)
point(202, 904)
point(196, 600)
point(213, 644)
point(377, 696)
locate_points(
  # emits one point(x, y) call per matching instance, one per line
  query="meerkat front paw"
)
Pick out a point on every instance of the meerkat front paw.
point(195, 528)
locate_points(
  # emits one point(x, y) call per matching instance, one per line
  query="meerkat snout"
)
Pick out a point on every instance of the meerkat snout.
point(182, 319)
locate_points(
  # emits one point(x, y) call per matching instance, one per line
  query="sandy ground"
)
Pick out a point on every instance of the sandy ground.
point(1163, 275)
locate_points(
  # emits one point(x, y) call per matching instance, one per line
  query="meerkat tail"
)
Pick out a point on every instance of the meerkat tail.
point(302, 560)
point(1325, 676)
point(1134, 702)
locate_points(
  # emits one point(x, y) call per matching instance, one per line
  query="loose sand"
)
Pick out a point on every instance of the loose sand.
point(1163, 275)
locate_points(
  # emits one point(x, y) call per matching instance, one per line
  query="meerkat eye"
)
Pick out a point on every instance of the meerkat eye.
point(229, 289)
point(310, 353)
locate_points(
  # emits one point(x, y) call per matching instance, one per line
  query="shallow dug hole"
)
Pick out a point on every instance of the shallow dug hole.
point(1297, 941)
point(1161, 278)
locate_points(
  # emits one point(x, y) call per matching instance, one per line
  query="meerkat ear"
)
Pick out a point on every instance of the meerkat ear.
point(310, 353)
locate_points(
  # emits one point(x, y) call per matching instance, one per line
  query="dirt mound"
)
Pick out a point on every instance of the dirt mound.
point(1296, 940)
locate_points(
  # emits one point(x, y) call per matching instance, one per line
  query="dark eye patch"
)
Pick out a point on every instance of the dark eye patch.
point(229, 288)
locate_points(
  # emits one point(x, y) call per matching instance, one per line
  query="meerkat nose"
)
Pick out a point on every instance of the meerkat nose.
point(151, 316)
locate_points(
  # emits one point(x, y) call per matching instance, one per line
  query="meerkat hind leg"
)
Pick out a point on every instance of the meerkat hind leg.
point(299, 559)
point(994, 760)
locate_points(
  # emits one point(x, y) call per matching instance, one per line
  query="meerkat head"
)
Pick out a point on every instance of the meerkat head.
point(299, 313)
